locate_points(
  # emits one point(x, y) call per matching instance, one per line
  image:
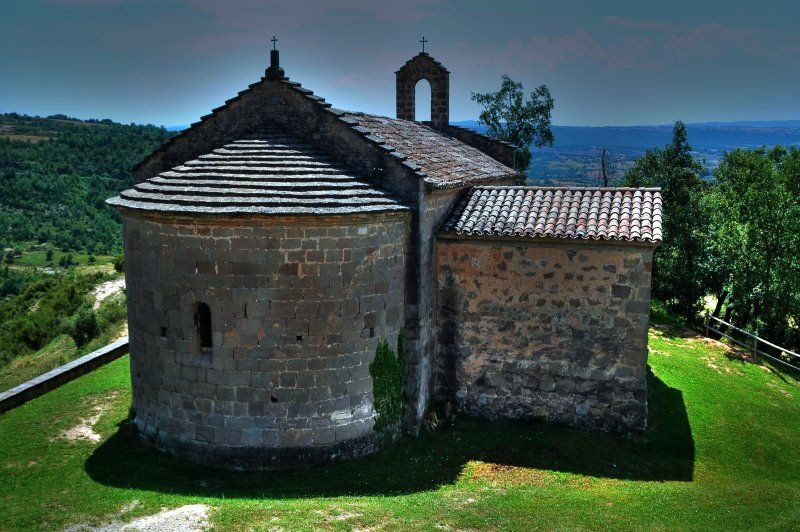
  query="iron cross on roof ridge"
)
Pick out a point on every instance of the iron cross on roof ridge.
point(423, 41)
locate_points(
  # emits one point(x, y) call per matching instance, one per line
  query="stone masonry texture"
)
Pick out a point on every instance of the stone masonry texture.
point(298, 305)
point(423, 66)
point(551, 330)
point(270, 103)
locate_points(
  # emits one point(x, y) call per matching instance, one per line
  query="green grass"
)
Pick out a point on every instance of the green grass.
point(722, 451)
point(38, 259)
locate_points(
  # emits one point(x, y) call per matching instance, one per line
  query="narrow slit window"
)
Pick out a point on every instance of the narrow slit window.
point(202, 320)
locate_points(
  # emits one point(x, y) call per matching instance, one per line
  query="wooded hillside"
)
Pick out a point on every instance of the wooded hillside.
point(55, 174)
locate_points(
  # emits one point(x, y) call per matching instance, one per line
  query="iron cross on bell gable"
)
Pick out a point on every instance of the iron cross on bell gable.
point(423, 41)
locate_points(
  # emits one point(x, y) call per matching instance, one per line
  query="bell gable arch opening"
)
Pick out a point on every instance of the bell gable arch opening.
point(422, 101)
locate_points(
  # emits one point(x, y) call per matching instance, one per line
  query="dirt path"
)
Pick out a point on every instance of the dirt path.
point(106, 290)
point(189, 518)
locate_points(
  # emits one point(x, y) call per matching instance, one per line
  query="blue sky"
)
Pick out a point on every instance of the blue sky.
point(606, 63)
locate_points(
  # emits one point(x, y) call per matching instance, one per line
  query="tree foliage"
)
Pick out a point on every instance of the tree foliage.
point(511, 117)
point(735, 237)
point(754, 241)
point(388, 377)
point(83, 326)
point(54, 190)
point(42, 309)
point(679, 274)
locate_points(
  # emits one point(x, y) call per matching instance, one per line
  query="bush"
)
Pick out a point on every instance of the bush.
point(112, 311)
point(119, 263)
point(388, 381)
point(83, 326)
point(38, 307)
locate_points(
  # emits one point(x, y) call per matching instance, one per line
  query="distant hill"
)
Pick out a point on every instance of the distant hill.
point(705, 136)
point(574, 158)
point(55, 174)
point(754, 123)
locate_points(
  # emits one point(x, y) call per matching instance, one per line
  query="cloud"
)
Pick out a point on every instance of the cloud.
point(638, 24)
point(256, 13)
point(579, 48)
point(714, 41)
point(90, 3)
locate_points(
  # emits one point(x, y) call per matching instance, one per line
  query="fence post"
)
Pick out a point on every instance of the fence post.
point(755, 348)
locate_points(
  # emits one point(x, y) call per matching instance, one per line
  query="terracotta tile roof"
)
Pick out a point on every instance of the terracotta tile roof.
point(441, 160)
point(619, 214)
point(272, 173)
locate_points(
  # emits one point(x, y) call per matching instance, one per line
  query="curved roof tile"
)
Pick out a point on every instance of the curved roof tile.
point(617, 214)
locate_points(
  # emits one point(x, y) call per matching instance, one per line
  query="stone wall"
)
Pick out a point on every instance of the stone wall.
point(274, 102)
point(271, 102)
point(553, 330)
point(496, 149)
point(421, 318)
point(298, 306)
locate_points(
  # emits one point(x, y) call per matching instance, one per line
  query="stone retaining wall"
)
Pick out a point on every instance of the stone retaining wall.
point(552, 330)
point(54, 378)
point(298, 305)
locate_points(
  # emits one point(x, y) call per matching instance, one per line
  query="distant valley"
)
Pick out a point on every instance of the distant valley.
point(575, 157)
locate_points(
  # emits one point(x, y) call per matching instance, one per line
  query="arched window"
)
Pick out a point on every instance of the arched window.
point(202, 321)
point(422, 101)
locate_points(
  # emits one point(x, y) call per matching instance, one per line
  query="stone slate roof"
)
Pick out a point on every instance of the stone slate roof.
point(613, 214)
point(441, 160)
point(272, 173)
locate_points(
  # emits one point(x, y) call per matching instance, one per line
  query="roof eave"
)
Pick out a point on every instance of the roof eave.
point(493, 237)
point(477, 182)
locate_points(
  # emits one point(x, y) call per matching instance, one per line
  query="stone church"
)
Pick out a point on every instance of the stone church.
point(272, 245)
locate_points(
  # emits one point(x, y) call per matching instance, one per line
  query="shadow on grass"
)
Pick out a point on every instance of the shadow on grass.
point(665, 451)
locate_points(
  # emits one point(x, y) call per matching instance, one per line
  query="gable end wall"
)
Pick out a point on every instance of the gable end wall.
point(500, 151)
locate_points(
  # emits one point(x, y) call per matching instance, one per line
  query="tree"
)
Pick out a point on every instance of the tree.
point(84, 326)
point(754, 238)
point(679, 270)
point(510, 117)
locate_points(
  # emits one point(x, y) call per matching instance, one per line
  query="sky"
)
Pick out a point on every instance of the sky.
point(613, 62)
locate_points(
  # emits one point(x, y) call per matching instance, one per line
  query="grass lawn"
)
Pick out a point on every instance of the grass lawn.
point(722, 451)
